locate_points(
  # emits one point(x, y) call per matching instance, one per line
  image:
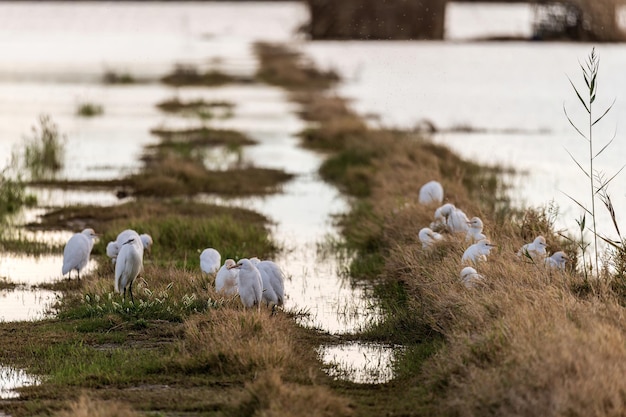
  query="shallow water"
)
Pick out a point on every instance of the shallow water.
point(362, 363)
point(50, 66)
point(10, 379)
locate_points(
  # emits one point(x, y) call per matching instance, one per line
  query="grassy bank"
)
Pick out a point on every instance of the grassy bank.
point(526, 341)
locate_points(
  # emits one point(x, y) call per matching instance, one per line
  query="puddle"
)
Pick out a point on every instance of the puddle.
point(361, 363)
point(24, 304)
point(10, 379)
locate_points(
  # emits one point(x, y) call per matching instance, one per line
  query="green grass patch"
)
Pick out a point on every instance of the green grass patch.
point(199, 108)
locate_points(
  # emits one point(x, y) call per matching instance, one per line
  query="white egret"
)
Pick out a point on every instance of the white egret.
point(128, 266)
point(475, 231)
point(478, 251)
point(210, 261)
point(431, 192)
point(113, 247)
point(469, 276)
point(76, 252)
point(535, 250)
point(273, 283)
point(557, 260)
point(441, 215)
point(454, 219)
point(428, 237)
point(227, 278)
point(458, 221)
point(146, 241)
point(250, 284)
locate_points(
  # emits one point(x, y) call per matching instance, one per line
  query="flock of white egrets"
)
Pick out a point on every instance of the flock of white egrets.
point(452, 220)
point(255, 281)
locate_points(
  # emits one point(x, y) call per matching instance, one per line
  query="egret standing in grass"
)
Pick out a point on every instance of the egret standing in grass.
point(535, 250)
point(477, 252)
point(227, 278)
point(128, 266)
point(428, 237)
point(430, 193)
point(76, 252)
point(210, 261)
point(250, 284)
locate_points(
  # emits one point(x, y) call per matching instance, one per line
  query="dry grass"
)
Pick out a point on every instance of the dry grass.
point(88, 407)
point(232, 341)
point(271, 397)
point(527, 341)
point(287, 68)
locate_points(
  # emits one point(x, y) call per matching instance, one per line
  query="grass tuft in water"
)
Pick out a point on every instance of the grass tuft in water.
point(44, 149)
point(89, 110)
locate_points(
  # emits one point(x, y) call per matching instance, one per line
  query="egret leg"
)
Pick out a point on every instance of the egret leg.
point(130, 290)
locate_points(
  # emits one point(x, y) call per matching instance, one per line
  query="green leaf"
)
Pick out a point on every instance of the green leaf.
point(579, 96)
point(604, 114)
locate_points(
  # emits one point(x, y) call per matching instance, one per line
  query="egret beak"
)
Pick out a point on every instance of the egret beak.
point(234, 266)
point(129, 241)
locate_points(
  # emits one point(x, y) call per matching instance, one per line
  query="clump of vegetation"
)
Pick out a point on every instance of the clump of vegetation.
point(44, 149)
point(88, 407)
point(201, 109)
point(13, 195)
point(89, 110)
point(114, 77)
point(190, 75)
point(282, 66)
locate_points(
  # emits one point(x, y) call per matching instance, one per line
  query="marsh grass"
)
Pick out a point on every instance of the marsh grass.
point(203, 136)
point(190, 75)
point(202, 109)
point(89, 407)
point(117, 77)
point(13, 195)
point(44, 149)
point(284, 67)
point(87, 109)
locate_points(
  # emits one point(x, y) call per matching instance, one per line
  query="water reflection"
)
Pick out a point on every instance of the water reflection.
point(362, 363)
point(26, 304)
point(11, 378)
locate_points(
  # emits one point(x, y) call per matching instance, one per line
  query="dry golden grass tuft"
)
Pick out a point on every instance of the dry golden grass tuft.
point(271, 397)
point(88, 407)
point(238, 341)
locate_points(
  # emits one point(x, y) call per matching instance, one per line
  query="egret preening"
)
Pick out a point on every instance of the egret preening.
point(535, 250)
point(210, 261)
point(475, 231)
point(477, 252)
point(273, 281)
point(429, 238)
point(469, 276)
point(454, 219)
point(128, 266)
point(557, 260)
point(76, 252)
point(250, 284)
point(430, 193)
point(227, 278)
